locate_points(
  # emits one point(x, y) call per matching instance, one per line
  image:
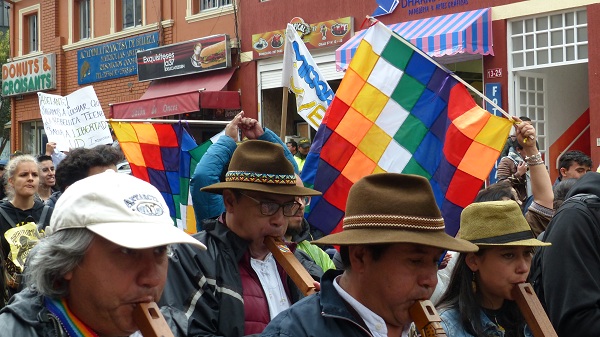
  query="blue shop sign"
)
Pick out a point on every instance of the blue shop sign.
point(113, 59)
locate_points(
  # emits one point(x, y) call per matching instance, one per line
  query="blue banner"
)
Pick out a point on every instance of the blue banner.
point(493, 91)
point(113, 59)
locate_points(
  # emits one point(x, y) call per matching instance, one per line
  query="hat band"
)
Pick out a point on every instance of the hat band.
point(261, 178)
point(506, 238)
point(393, 221)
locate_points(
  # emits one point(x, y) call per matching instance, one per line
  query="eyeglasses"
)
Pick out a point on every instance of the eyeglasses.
point(269, 208)
point(303, 200)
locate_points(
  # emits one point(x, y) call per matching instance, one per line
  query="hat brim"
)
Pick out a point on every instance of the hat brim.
point(438, 239)
point(143, 235)
point(304, 146)
point(521, 243)
point(266, 188)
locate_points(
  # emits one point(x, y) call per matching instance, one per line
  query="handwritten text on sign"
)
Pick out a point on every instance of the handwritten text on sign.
point(75, 120)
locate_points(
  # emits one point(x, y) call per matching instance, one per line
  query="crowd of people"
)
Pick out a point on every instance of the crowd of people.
point(82, 246)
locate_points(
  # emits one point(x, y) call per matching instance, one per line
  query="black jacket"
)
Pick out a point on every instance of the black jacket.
point(207, 285)
point(570, 268)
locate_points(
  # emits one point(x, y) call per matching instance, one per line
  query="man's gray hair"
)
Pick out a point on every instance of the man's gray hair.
point(55, 256)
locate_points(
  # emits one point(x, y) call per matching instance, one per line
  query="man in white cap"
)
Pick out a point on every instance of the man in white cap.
point(105, 252)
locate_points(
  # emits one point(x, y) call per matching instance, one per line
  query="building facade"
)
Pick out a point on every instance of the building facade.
point(542, 64)
point(60, 46)
point(538, 58)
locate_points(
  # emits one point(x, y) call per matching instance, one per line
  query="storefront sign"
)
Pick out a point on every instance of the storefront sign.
point(75, 120)
point(415, 7)
point(316, 35)
point(493, 91)
point(195, 56)
point(29, 75)
point(113, 59)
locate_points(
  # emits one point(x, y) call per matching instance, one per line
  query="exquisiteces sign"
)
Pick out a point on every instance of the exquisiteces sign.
point(29, 75)
point(194, 56)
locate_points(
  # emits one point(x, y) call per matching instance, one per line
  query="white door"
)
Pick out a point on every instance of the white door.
point(530, 100)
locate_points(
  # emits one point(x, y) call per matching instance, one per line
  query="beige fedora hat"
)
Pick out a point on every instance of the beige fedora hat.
point(496, 223)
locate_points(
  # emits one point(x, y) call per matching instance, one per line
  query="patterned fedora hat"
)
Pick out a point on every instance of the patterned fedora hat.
point(261, 166)
point(394, 208)
point(496, 223)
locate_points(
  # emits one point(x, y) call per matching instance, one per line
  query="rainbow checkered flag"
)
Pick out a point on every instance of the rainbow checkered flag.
point(396, 111)
point(165, 155)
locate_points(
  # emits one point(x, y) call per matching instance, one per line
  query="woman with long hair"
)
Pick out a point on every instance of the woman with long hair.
point(22, 179)
point(479, 300)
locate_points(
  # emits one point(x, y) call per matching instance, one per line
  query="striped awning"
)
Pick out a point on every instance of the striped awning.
point(466, 32)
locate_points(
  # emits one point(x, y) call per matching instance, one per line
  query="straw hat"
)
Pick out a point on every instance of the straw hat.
point(496, 223)
point(394, 208)
point(260, 166)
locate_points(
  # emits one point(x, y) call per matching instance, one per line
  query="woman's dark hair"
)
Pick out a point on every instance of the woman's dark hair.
point(79, 161)
point(460, 296)
point(495, 192)
point(560, 191)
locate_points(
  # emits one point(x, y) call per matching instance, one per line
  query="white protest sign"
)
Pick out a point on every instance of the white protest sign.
point(75, 120)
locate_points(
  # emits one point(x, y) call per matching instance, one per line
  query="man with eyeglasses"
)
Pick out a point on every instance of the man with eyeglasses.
point(211, 170)
point(236, 287)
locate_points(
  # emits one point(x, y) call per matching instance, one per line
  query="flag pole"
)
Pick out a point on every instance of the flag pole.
point(284, 104)
point(168, 121)
point(456, 77)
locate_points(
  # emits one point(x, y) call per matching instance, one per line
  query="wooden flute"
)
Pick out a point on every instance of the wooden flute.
point(531, 308)
point(291, 265)
point(426, 319)
point(150, 320)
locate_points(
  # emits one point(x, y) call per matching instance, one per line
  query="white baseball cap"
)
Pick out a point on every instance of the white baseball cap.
point(120, 208)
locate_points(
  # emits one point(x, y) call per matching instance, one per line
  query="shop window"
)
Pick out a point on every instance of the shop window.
point(132, 13)
point(213, 4)
point(555, 39)
point(207, 9)
point(32, 42)
point(33, 137)
point(84, 11)
point(4, 15)
point(28, 30)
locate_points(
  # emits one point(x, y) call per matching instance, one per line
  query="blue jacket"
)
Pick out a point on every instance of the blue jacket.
point(322, 314)
point(211, 167)
point(453, 326)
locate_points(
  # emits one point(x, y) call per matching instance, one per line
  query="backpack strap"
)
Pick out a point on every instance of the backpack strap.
point(43, 216)
point(8, 219)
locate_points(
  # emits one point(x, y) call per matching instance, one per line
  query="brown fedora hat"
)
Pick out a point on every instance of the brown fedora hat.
point(394, 208)
point(496, 223)
point(261, 166)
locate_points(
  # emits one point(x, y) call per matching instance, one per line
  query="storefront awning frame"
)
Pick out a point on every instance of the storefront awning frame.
point(466, 32)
